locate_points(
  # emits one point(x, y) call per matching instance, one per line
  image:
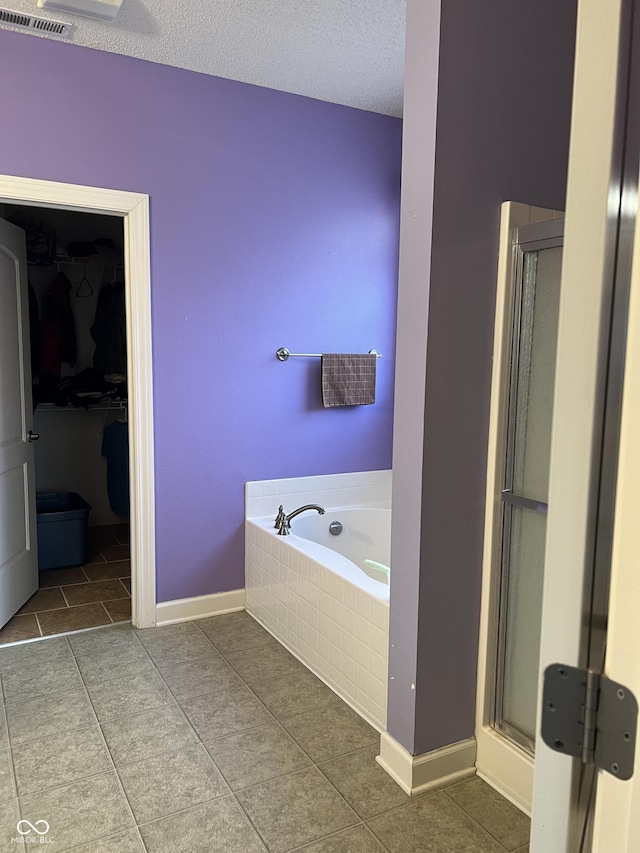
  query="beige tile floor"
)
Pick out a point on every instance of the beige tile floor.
point(71, 599)
point(209, 736)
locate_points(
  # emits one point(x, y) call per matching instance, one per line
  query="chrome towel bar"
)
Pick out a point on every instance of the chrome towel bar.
point(283, 354)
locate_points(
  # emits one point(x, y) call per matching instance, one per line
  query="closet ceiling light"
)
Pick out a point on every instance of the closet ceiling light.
point(103, 10)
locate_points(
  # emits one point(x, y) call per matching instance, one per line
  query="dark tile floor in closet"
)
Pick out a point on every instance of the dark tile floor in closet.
point(98, 593)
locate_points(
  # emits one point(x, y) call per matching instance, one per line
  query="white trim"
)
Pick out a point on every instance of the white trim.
point(617, 809)
point(587, 275)
point(134, 208)
point(140, 389)
point(509, 769)
point(506, 768)
point(418, 773)
point(187, 609)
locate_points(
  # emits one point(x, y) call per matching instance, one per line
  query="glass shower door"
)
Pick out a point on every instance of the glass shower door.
point(525, 492)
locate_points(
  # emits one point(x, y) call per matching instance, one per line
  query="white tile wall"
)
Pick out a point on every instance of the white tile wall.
point(332, 626)
point(366, 488)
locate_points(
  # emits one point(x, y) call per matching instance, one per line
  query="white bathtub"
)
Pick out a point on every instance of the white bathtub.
point(321, 604)
point(365, 535)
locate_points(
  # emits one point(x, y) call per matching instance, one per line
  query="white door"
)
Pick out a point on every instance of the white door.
point(617, 803)
point(584, 499)
point(18, 551)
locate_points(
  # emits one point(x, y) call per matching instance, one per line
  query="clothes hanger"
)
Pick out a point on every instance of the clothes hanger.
point(84, 284)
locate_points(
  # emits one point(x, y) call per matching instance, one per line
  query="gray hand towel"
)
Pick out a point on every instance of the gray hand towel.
point(348, 379)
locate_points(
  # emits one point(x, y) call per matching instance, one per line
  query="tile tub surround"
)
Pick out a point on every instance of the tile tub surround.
point(250, 764)
point(336, 629)
point(363, 488)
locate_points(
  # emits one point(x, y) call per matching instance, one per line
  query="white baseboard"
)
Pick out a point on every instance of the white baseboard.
point(506, 767)
point(186, 609)
point(418, 773)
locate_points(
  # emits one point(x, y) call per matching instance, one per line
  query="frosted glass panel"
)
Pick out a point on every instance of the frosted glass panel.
point(528, 454)
point(524, 609)
point(536, 365)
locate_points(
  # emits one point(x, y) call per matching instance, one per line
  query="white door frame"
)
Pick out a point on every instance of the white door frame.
point(617, 809)
point(134, 208)
point(583, 337)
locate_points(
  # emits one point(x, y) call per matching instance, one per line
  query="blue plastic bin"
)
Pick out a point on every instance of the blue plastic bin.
point(62, 530)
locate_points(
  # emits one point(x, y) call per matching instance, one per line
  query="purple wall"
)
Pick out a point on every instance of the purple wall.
point(274, 222)
point(418, 169)
point(504, 101)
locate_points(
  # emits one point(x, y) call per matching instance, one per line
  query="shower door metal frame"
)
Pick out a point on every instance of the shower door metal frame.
point(529, 238)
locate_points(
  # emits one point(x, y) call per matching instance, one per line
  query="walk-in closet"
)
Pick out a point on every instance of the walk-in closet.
point(79, 381)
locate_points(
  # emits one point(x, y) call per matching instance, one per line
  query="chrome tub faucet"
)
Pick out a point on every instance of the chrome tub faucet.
point(283, 522)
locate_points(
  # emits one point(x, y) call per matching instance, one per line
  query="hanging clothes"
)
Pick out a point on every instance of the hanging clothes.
point(58, 327)
point(115, 446)
point(109, 330)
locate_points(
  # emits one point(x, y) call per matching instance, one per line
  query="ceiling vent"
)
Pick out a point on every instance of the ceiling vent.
point(31, 22)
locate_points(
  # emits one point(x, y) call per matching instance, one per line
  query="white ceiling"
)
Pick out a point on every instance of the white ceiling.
point(343, 51)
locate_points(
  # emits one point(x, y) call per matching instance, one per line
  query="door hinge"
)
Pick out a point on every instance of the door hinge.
point(588, 716)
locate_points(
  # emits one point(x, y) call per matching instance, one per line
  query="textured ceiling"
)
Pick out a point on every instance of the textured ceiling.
point(344, 51)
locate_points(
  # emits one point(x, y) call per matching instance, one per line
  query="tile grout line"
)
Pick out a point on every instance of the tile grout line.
point(200, 742)
point(110, 757)
point(111, 835)
point(372, 817)
point(73, 781)
point(10, 745)
point(35, 613)
point(168, 814)
point(250, 822)
point(280, 722)
point(313, 765)
point(124, 587)
point(229, 795)
point(13, 764)
point(101, 603)
point(68, 631)
point(66, 600)
point(38, 624)
point(307, 844)
point(473, 820)
point(15, 777)
point(157, 708)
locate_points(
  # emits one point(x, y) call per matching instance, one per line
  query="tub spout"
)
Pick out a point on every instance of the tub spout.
point(284, 524)
point(319, 509)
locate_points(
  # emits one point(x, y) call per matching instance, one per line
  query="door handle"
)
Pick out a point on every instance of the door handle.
point(33, 436)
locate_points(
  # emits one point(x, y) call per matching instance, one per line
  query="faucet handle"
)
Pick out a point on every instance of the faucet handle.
point(285, 528)
point(280, 517)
